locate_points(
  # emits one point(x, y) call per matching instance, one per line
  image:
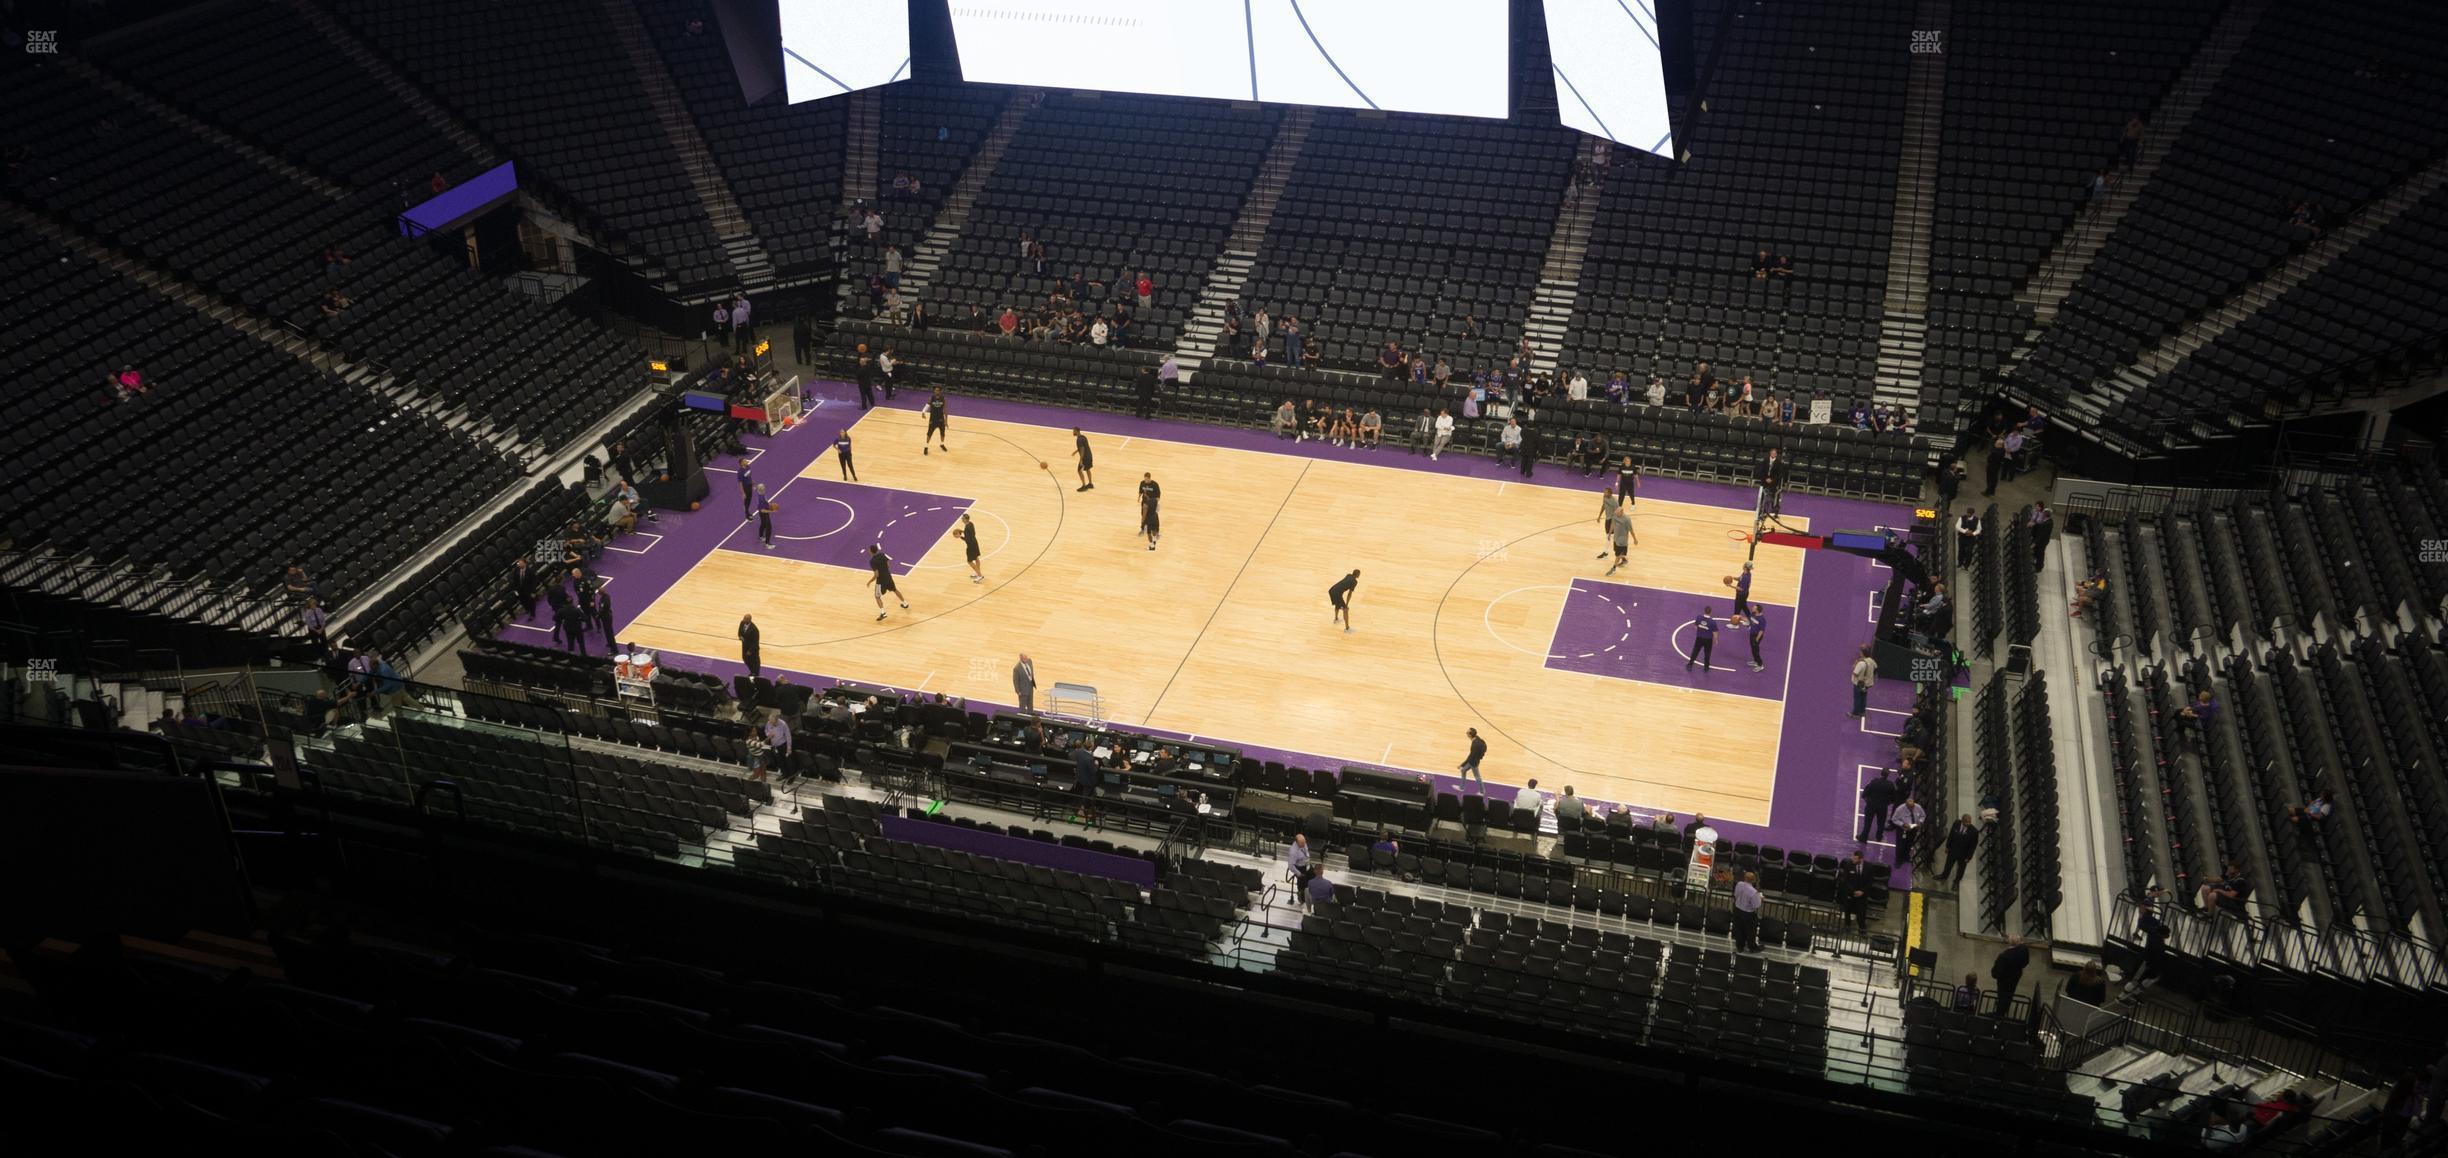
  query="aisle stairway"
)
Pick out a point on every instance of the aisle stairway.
point(748, 257)
point(953, 215)
point(1231, 270)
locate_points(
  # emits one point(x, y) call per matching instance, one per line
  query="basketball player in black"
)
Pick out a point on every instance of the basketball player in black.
point(967, 534)
point(1627, 481)
point(1149, 495)
point(841, 454)
point(1086, 457)
point(935, 423)
point(881, 565)
point(1340, 595)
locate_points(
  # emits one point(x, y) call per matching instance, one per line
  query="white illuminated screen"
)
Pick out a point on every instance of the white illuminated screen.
point(1419, 56)
point(1610, 79)
point(830, 47)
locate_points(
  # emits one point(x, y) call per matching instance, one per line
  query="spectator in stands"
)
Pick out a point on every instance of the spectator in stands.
point(871, 223)
point(389, 690)
point(2306, 217)
point(1262, 325)
point(2129, 144)
point(1745, 399)
point(743, 334)
point(1444, 435)
point(1761, 263)
point(333, 302)
point(130, 384)
point(1287, 422)
point(437, 183)
point(1571, 805)
point(884, 370)
point(2089, 591)
point(1703, 383)
point(1618, 388)
point(1007, 323)
point(2098, 194)
point(1258, 352)
point(1099, 332)
point(1746, 913)
point(296, 584)
point(1295, 343)
point(1577, 388)
point(335, 259)
point(1853, 891)
point(2042, 524)
point(1344, 430)
point(1372, 428)
point(1509, 441)
point(892, 266)
point(2007, 971)
point(2225, 892)
point(1784, 268)
point(1961, 840)
point(622, 515)
point(2089, 986)
point(1859, 417)
point(1319, 890)
point(2203, 709)
point(313, 621)
point(1296, 858)
point(2317, 811)
point(1144, 288)
point(1529, 799)
point(2278, 1105)
point(1967, 994)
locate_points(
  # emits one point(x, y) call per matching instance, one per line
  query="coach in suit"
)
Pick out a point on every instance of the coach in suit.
point(748, 636)
point(1024, 682)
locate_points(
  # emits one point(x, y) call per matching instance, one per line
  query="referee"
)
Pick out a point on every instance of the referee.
point(935, 427)
point(1149, 495)
point(968, 537)
point(1340, 595)
point(880, 564)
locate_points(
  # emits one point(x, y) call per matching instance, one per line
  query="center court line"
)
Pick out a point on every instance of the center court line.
point(1191, 650)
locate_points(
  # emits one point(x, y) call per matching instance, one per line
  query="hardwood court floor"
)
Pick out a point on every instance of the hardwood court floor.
point(1225, 632)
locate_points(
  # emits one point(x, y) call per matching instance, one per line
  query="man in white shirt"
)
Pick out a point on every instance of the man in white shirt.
point(742, 334)
point(1865, 673)
point(1510, 439)
point(1578, 388)
point(1967, 537)
point(722, 320)
point(1906, 820)
point(873, 225)
point(1444, 434)
point(1746, 913)
point(1262, 326)
point(1097, 333)
point(1529, 799)
point(884, 370)
point(1168, 374)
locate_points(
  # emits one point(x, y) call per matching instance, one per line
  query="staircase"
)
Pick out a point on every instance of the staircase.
point(1551, 305)
point(141, 99)
point(1232, 268)
point(1904, 322)
point(2064, 265)
point(1902, 341)
point(866, 109)
point(748, 257)
point(381, 72)
point(2169, 351)
point(953, 215)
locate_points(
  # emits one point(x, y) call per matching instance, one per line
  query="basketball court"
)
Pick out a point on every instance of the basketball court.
point(1483, 600)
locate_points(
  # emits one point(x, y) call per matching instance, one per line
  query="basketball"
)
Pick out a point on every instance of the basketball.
point(1041, 465)
point(694, 506)
point(1729, 581)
